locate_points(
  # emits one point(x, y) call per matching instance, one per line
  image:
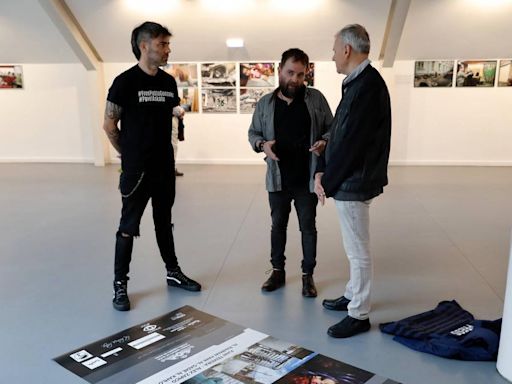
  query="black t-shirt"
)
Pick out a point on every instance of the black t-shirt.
point(146, 119)
point(292, 126)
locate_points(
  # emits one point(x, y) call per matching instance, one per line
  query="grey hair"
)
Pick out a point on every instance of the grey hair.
point(356, 36)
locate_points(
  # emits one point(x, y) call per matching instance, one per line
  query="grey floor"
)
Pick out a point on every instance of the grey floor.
point(437, 234)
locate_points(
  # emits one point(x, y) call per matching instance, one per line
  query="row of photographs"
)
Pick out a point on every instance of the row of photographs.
point(468, 73)
point(226, 87)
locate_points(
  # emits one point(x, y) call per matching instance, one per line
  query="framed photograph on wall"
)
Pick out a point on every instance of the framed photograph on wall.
point(250, 96)
point(11, 77)
point(219, 100)
point(218, 75)
point(257, 75)
point(476, 73)
point(309, 81)
point(505, 74)
point(433, 73)
point(186, 76)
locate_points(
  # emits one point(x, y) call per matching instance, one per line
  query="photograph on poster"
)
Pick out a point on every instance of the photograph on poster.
point(505, 74)
point(309, 81)
point(219, 100)
point(433, 73)
point(11, 76)
point(263, 362)
point(476, 73)
point(257, 74)
point(324, 370)
point(218, 75)
point(189, 98)
point(250, 96)
point(184, 74)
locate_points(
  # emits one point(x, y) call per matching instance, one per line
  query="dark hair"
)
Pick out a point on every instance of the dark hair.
point(295, 54)
point(146, 31)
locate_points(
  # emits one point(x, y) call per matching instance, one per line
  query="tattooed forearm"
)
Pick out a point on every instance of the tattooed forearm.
point(113, 137)
point(113, 111)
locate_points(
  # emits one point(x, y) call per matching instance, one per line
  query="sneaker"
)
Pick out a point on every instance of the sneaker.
point(276, 280)
point(349, 326)
point(120, 301)
point(176, 278)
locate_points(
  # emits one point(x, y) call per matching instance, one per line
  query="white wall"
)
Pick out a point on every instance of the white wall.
point(448, 126)
point(52, 119)
point(49, 120)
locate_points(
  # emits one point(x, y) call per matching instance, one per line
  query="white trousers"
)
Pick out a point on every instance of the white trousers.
point(174, 136)
point(354, 219)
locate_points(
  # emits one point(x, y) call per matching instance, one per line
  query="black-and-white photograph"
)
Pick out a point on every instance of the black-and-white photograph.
point(476, 73)
point(218, 75)
point(433, 73)
point(505, 74)
point(219, 100)
point(249, 97)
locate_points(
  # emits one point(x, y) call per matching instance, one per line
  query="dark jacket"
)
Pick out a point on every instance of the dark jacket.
point(356, 158)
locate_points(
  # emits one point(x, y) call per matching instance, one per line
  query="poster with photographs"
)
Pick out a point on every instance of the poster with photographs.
point(186, 76)
point(11, 76)
point(250, 96)
point(218, 75)
point(433, 73)
point(219, 100)
point(190, 346)
point(473, 73)
point(257, 75)
point(309, 80)
point(505, 74)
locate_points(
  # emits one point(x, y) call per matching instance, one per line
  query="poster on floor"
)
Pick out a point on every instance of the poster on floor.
point(192, 347)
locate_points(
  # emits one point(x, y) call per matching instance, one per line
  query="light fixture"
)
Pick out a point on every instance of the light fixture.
point(235, 42)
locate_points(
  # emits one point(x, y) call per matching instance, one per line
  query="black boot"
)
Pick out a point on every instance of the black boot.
point(308, 286)
point(275, 281)
point(120, 301)
point(339, 304)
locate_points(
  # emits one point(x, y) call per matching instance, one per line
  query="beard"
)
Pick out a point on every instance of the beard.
point(288, 89)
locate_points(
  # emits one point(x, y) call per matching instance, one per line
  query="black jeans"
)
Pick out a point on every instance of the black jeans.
point(280, 206)
point(136, 190)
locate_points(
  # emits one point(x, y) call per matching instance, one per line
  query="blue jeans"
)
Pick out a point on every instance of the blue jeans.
point(280, 206)
point(136, 190)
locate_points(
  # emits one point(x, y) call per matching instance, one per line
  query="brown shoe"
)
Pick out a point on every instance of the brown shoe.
point(275, 281)
point(308, 286)
point(178, 173)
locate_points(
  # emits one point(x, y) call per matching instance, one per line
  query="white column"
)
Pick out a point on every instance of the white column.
point(504, 364)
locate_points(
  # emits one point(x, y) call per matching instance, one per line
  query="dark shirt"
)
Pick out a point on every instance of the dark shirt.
point(292, 126)
point(146, 119)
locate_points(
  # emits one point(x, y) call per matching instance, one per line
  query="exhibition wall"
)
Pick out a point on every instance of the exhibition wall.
point(51, 120)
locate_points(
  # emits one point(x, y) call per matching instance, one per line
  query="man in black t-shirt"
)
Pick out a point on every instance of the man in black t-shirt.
point(143, 100)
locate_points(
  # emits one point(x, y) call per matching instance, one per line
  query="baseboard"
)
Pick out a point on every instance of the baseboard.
point(47, 160)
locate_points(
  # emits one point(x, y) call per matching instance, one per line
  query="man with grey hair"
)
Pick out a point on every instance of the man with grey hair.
point(354, 169)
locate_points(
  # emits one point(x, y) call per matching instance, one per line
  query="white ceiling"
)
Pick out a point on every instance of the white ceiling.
point(466, 29)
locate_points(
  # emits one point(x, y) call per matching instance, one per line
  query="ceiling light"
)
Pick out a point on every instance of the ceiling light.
point(235, 43)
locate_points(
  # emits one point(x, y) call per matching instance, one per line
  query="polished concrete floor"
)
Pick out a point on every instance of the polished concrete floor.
point(438, 233)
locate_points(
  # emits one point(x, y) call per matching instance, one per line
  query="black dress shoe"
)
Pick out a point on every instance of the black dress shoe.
point(308, 286)
point(349, 327)
point(275, 281)
point(178, 173)
point(339, 304)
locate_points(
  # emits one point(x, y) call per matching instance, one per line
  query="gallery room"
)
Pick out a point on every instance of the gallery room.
point(440, 219)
